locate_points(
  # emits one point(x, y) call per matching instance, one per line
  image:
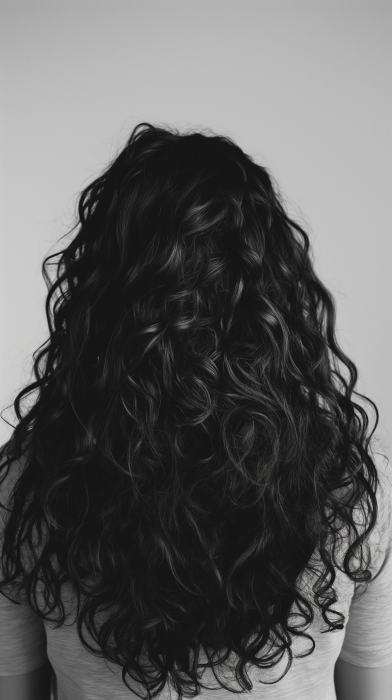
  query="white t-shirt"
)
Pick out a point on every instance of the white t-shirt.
point(366, 640)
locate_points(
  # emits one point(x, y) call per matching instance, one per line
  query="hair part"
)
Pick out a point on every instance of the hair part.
point(194, 429)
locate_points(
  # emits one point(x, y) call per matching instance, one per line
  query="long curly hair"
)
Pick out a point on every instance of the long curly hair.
point(194, 440)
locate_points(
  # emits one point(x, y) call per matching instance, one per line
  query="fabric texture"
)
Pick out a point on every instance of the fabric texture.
point(26, 642)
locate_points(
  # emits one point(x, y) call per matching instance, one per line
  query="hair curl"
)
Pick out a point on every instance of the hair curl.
point(192, 433)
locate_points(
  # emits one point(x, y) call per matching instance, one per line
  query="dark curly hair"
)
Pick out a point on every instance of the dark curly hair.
point(194, 440)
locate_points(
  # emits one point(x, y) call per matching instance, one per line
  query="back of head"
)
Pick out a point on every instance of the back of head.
point(193, 425)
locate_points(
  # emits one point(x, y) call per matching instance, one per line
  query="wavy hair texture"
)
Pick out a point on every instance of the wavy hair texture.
point(193, 430)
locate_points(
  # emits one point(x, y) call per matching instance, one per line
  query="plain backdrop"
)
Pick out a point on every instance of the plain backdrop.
point(304, 87)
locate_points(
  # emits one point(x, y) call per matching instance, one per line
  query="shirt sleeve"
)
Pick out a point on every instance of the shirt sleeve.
point(22, 633)
point(368, 638)
point(22, 639)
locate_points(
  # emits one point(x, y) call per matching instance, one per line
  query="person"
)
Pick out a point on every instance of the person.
point(193, 502)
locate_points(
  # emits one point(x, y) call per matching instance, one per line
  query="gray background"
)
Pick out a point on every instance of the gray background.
point(302, 86)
